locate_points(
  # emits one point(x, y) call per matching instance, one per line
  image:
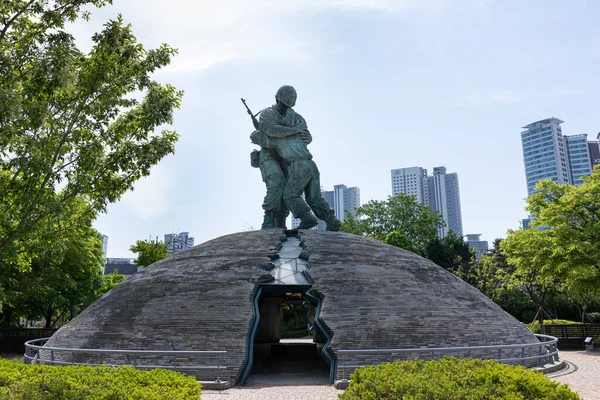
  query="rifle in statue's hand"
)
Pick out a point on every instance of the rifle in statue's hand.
point(253, 116)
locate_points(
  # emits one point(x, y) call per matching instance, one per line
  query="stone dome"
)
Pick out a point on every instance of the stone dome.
point(367, 295)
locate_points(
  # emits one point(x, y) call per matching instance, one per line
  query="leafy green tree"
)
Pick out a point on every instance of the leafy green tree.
point(400, 221)
point(59, 283)
point(71, 124)
point(454, 255)
point(494, 277)
point(562, 248)
point(149, 251)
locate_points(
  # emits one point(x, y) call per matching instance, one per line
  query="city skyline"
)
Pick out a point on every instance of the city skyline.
point(381, 84)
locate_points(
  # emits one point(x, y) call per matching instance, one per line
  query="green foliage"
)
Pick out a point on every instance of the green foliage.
point(294, 319)
point(452, 378)
point(535, 325)
point(59, 282)
point(566, 253)
point(453, 254)
point(400, 221)
point(149, 252)
point(29, 382)
point(71, 125)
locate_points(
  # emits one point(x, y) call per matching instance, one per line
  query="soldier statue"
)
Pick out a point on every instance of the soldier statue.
point(287, 167)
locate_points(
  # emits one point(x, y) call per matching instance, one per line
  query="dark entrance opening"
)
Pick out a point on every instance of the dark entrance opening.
point(288, 344)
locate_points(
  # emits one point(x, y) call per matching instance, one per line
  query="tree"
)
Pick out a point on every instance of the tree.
point(453, 254)
point(149, 252)
point(60, 282)
point(71, 127)
point(562, 246)
point(400, 221)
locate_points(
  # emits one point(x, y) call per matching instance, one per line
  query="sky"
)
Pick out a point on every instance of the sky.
point(382, 85)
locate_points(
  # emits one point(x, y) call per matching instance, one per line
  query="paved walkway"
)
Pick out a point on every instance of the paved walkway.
point(582, 374)
point(261, 391)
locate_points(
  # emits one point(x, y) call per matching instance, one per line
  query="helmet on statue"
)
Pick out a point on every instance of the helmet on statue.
point(286, 95)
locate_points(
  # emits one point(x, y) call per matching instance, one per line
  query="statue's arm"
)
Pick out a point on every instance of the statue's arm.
point(280, 131)
point(306, 136)
point(270, 125)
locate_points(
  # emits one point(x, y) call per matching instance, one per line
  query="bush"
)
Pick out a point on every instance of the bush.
point(452, 378)
point(32, 382)
point(535, 325)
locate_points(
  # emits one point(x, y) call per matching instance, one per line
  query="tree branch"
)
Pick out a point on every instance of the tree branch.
point(12, 20)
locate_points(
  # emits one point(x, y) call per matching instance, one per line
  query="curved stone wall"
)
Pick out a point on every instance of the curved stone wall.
point(375, 296)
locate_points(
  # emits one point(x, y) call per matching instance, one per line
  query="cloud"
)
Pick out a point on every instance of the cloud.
point(481, 99)
point(149, 199)
point(209, 32)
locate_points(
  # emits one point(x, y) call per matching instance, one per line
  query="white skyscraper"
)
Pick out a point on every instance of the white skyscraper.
point(413, 181)
point(439, 191)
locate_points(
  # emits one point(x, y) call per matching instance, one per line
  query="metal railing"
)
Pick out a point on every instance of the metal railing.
point(67, 356)
point(546, 349)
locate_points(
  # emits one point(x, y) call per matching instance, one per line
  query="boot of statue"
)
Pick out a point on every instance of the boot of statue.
point(308, 221)
point(333, 224)
point(268, 220)
point(280, 219)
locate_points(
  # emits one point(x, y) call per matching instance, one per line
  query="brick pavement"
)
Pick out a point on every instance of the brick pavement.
point(583, 373)
point(261, 391)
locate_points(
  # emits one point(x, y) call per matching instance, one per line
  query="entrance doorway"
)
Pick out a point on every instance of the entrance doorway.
point(288, 343)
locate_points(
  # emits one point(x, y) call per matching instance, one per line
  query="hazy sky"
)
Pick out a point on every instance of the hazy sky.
point(382, 85)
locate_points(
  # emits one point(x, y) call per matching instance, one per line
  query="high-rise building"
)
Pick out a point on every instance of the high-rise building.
point(440, 191)
point(544, 153)
point(444, 197)
point(475, 242)
point(548, 154)
point(413, 181)
point(594, 147)
point(104, 245)
point(340, 199)
point(580, 162)
point(344, 199)
point(177, 242)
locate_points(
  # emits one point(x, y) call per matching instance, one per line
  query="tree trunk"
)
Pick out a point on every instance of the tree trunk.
point(48, 316)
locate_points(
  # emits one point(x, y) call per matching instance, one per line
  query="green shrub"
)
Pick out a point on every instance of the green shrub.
point(33, 382)
point(535, 325)
point(452, 378)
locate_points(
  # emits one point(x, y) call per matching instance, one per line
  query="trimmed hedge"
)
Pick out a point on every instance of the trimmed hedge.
point(452, 378)
point(535, 325)
point(45, 382)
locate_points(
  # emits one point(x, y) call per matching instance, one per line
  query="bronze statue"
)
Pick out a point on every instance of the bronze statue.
point(287, 167)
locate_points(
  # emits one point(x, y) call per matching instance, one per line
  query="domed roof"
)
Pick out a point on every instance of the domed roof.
point(372, 296)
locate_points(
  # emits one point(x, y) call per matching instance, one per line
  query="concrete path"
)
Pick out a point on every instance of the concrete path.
point(582, 374)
